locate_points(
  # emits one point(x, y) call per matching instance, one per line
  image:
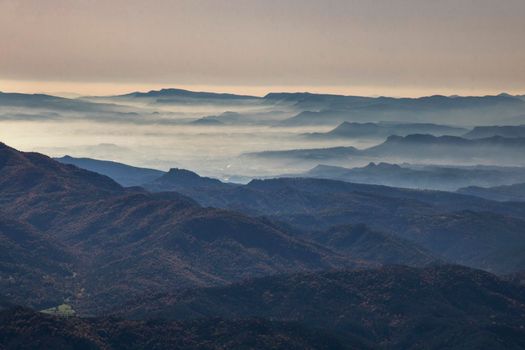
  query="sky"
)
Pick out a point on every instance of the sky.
point(366, 47)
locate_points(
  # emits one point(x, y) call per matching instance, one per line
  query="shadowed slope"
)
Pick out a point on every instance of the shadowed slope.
point(391, 308)
point(514, 192)
point(25, 329)
point(127, 241)
point(125, 175)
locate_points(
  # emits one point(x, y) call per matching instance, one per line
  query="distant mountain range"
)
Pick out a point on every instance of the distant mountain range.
point(443, 147)
point(490, 131)
point(440, 222)
point(170, 93)
point(448, 178)
point(415, 216)
point(332, 110)
point(125, 175)
point(514, 192)
point(40, 107)
point(307, 99)
point(235, 118)
point(184, 97)
point(383, 130)
point(43, 101)
point(309, 109)
point(417, 147)
point(207, 121)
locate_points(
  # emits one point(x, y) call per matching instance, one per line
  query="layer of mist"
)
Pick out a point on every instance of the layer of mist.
point(212, 133)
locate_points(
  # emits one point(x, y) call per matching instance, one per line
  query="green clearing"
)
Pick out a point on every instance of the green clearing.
point(63, 310)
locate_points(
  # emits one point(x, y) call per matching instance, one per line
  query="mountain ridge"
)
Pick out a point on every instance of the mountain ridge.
point(393, 307)
point(384, 129)
point(404, 147)
point(514, 192)
point(127, 241)
point(125, 175)
point(174, 92)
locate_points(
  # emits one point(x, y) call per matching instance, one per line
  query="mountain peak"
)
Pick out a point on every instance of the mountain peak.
point(417, 138)
point(183, 178)
point(35, 172)
point(184, 173)
point(382, 166)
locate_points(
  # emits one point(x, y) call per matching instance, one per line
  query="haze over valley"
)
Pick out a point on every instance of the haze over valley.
point(316, 175)
point(211, 133)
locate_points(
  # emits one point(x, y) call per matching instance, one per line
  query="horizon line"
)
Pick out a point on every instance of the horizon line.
point(104, 89)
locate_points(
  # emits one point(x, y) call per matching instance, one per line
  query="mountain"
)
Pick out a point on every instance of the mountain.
point(40, 107)
point(235, 118)
point(122, 243)
point(207, 121)
point(169, 93)
point(323, 117)
point(126, 242)
point(448, 178)
point(25, 329)
point(315, 197)
point(308, 153)
point(382, 130)
point(361, 242)
point(307, 99)
point(454, 227)
point(125, 175)
point(33, 267)
point(42, 101)
point(428, 146)
point(178, 180)
point(32, 173)
point(515, 192)
point(393, 307)
point(389, 308)
point(187, 183)
point(185, 97)
point(268, 117)
point(416, 147)
point(490, 131)
point(478, 110)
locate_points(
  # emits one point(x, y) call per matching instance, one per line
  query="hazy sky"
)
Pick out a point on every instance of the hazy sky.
point(391, 47)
